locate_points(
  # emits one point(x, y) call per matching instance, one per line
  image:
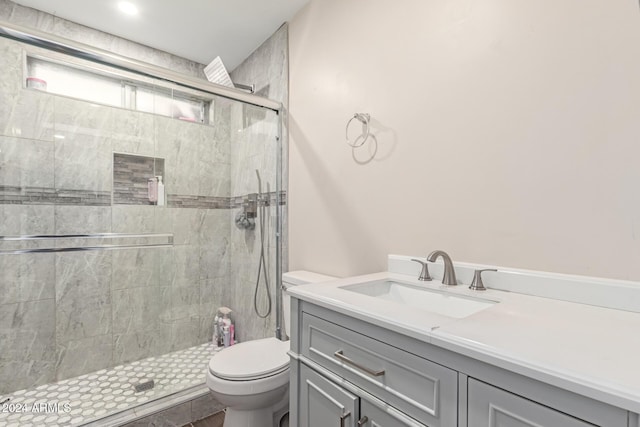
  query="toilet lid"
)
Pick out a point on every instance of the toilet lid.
point(251, 360)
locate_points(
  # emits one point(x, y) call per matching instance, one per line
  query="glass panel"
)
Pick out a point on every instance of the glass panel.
point(254, 149)
point(141, 316)
point(69, 81)
point(91, 86)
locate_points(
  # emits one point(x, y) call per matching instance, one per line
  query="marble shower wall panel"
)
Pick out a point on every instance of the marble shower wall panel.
point(185, 317)
point(135, 219)
point(26, 162)
point(83, 295)
point(136, 268)
point(83, 145)
point(27, 344)
point(82, 356)
point(177, 142)
point(141, 317)
point(185, 224)
point(27, 114)
point(214, 244)
point(215, 154)
point(26, 277)
point(23, 113)
point(132, 132)
point(26, 219)
point(11, 66)
point(82, 219)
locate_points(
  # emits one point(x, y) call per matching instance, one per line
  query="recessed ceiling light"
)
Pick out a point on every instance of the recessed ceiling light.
point(128, 8)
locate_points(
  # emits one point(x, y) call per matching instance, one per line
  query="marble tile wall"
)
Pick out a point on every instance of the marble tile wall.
point(66, 314)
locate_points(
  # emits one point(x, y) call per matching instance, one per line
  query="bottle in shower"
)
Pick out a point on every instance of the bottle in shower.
point(160, 191)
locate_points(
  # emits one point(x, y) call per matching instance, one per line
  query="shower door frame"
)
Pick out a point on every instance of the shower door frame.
point(119, 62)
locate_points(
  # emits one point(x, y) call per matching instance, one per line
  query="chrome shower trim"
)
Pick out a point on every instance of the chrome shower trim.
point(86, 236)
point(168, 244)
point(80, 50)
point(83, 249)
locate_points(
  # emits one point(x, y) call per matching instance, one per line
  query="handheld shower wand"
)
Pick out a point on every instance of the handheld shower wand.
point(262, 264)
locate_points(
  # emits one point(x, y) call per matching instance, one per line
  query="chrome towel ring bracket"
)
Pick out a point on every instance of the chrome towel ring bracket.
point(364, 119)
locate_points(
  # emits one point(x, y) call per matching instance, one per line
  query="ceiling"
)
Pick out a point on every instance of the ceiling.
point(198, 30)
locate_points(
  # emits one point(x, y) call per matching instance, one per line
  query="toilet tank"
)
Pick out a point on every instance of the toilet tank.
point(295, 278)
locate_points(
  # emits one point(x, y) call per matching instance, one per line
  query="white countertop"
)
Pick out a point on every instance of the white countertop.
point(592, 351)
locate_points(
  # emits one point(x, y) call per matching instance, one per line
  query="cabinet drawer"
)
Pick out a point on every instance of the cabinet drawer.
point(491, 406)
point(422, 389)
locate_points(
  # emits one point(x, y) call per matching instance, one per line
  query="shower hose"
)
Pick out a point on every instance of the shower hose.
point(262, 264)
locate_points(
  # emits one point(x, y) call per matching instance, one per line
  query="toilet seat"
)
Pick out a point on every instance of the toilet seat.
point(251, 360)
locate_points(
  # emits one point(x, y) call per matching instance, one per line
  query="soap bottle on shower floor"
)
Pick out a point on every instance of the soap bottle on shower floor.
point(160, 190)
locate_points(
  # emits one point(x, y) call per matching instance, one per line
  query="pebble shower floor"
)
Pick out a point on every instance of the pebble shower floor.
point(89, 397)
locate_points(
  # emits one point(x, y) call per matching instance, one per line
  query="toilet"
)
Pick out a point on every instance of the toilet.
point(252, 378)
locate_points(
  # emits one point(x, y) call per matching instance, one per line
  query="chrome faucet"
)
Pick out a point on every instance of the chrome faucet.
point(449, 277)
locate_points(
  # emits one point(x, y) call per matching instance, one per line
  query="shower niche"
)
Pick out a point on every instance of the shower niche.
point(131, 178)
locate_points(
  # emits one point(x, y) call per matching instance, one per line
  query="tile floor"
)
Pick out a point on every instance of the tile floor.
point(79, 400)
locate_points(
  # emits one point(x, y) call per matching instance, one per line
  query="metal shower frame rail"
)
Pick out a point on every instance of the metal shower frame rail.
point(90, 53)
point(52, 237)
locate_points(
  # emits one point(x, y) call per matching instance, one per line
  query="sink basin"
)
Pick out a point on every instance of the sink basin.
point(433, 301)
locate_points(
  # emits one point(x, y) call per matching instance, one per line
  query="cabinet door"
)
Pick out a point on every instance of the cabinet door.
point(372, 416)
point(323, 403)
point(494, 407)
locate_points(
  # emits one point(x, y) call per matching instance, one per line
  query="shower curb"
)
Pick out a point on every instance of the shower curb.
point(149, 408)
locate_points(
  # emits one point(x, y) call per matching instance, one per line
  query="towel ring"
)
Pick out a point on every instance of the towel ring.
point(363, 118)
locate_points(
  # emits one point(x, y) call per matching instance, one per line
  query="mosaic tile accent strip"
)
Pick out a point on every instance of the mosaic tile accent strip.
point(130, 178)
point(11, 195)
point(268, 199)
point(201, 202)
point(87, 398)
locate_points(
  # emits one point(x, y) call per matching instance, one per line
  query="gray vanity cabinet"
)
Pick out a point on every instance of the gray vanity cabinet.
point(323, 403)
point(347, 371)
point(491, 406)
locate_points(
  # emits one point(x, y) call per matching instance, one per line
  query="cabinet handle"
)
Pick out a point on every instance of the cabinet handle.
point(363, 421)
point(344, 417)
point(345, 359)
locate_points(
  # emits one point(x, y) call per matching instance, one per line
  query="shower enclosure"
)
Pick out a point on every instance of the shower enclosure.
point(101, 288)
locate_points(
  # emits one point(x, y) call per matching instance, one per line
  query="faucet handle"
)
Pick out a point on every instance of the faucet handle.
point(476, 283)
point(424, 274)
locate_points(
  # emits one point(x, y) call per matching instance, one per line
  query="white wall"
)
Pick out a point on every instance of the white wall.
point(508, 133)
